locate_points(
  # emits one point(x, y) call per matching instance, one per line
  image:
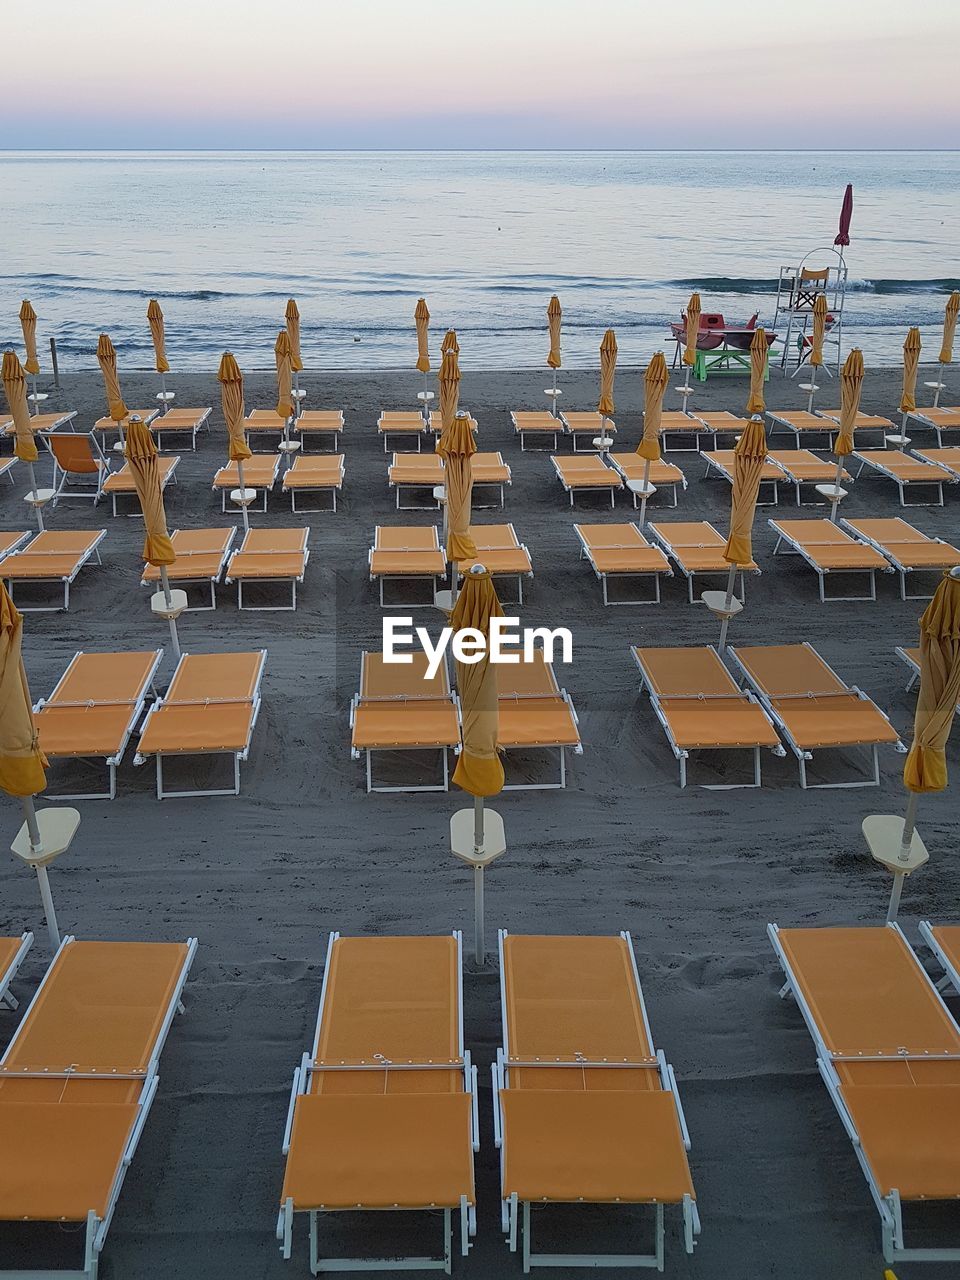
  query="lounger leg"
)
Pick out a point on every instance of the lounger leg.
point(514, 1210)
point(659, 1237)
point(369, 774)
point(236, 773)
point(159, 776)
point(91, 1258)
point(563, 768)
point(526, 1237)
point(314, 1244)
point(683, 770)
point(756, 766)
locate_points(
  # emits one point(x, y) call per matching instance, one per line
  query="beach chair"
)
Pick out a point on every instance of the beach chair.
point(383, 1110)
point(937, 419)
point(888, 1052)
point(106, 427)
point(259, 472)
point(489, 472)
point(696, 548)
point(265, 422)
point(501, 553)
point(535, 714)
point(944, 941)
point(13, 952)
point(435, 423)
point(320, 425)
point(721, 423)
point(720, 462)
point(408, 425)
point(911, 657)
point(210, 708)
point(827, 549)
point(40, 423)
point(700, 707)
point(863, 422)
point(586, 1110)
point(905, 471)
point(79, 467)
point(539, 423)
point(10, 541)
point(397, 708)
point(412, 473)
point(201, 557)
point(586, 474)
point(180, 422)
point(269, 556)
point(800, 467)
point(590, 426)
point(663, 475)
point(94, 709)
point(409, 554)
point(948, 459)
point(802, 424)
point(677, 429)
point(314, 475)
point(52, 556)
point(6, 468)
point(121, 482)
point(813, 708)
point(77, 1083)
point(617, 551)
point(907, 549)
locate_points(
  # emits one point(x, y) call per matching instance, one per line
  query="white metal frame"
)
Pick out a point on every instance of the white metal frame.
point(778, 422)
point(798, 481)
point(510, 1208)
point(210, 580)
point(90, 552)
point(950, 982)
point(562, 748)
point(699, 429)
point(7, 998)
point(310, 433)
point(405, 432)
point(237, 756)
point(401, 486)
point(586, 553)
point(301, 1084)
point(291, 582)
point(889, 1207)
point(680, 480)
point(800, 549)
point(503, 573)
point(608, 427)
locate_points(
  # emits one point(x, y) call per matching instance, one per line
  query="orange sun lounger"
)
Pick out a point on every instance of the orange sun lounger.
point(314, 475)
point(864, 422)
point(677, 428)
point(10, 541)
point(888, 1052)
point(802, 424)
point(383, 1110)
point(406, 554)
point(535, 714)
point(536, 422)
point(905, 471)
point(319, 424)
point(77, 1082)
point(663, 475)
point(696, 548)
point(398, 708)
point(121, 482)
point(104, 427)
point(259, 472)
point(94, 708)
point(211, 708)
point(265, 422)
point(586, 474)
point(201, 557)
point(501, 553)
point(720, 462)
point(813, 708)
point(592, 425)
point(700, 707)
point(936, 418)
point(269, 556)
point(13, 952)
point(180, 422)
point(828, 549)
point(948, 459)
point(52, 556)
point(489, 472)
point(907, 549)
point(436, 423)
point(416, 472)
point(586, 1109)
point(409, 424)
point(800, 467)
point(621, 551)
point(40, 423)
point(7, 466)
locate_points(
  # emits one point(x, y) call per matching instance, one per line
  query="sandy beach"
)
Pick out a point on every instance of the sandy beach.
point(695, 875)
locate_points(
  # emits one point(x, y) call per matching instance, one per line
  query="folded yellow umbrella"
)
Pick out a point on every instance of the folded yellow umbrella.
point(554, 317)
point(284, 359)
point(28, 323)
point(819, 329)
point(926, 765)
point(608, 368)
point(450, 343)
point(293, 333)
point(748, 459)
point(654, 385)
point(155, 320)
point(422, 316)
point(478, 770)
point(15, 389)
point(759, 348)
point(107, 357)
point(851, 382)
point(141, 454)
point(911, 362)
point(457, 446)
point(449, 383)
point(950, 312)
point(231, 400)
point(692, 330)
point(22, 763)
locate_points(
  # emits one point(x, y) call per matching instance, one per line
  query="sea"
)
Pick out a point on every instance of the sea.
point(223, 239)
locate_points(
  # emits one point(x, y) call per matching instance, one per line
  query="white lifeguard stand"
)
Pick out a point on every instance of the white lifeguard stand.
point(821, 271)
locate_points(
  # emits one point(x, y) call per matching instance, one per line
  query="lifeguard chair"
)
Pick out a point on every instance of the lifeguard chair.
point(798, 289)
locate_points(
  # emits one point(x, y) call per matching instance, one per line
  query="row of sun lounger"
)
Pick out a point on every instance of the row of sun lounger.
point(412, 473)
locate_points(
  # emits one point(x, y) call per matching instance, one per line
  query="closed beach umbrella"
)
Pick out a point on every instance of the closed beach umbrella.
point(457, 446)
point(448, 380)
point(24, 444)
point(911, 362)
point(748, 459)
point(284, 360)
point(949, 327)
point(141, 454)
point(450, 343)
point(231, 400)
point(842, 237)
point(692, 329)
point(22, 763)
point(819, 329)
point(479, 770)
point(554, 317)
point(608, 369)
point(155, 320)
point(293, 333)
point(654, 385)
point(759, 348)
point(28, 323)
point(422, 317)
point(851, 381)
point(926, 764)
point(107, 358)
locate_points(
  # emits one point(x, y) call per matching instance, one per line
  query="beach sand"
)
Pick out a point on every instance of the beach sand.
point(694, 875)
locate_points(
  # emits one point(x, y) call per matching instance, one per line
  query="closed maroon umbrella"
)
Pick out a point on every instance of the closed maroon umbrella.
point(846, 214)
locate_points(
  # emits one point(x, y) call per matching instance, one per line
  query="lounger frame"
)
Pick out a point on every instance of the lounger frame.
point(603, 575)
point(92, 552)
point(382, 578)
point(715, 468)
point(301, 1085)
point(291, 582)
point(560, 748)
point(573, 489)
point(180, 426)
point(510, 1209)
point(878, 471)
point(522, 432)
point(332, 489)
point(385, 431)
point(901, 568)
point(7, 998)
point(170, 477)
point(797, 548)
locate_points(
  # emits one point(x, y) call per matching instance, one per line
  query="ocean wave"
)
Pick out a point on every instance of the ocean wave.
point(747, 285)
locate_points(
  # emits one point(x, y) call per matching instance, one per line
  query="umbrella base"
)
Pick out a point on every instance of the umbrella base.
point(173, 609)
point(717, 603)
point(883, 834)
point(57, 828)
point(39, 497)
point(832, 492)
point(462, 837)
point(640, 489)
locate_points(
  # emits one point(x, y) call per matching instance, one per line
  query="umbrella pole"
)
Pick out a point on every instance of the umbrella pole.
point(936, 397)
point(646, 486)
point(168, 599)
point(35, 397)
point(731, 584)
point(479, 950)
point(906, 842)
point(37, 506)
point(243, 492)
point(163, 391)
point(36, 845)
point(835, 499)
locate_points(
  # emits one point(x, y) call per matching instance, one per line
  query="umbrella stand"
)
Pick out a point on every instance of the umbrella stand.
point(553, 392)
point(477, 838)
point(425, 397)
point(41, 839)
point(37, 497)
point(834, 492)
point(937, 387)
point(724, 605)
point(244, 501)
point(895, 843)
point(169, 604)
point(646, 492)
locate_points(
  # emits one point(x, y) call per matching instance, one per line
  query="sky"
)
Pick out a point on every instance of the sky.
point(494, 74)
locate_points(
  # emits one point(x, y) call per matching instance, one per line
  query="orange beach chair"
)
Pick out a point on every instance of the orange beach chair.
point(52, 556)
